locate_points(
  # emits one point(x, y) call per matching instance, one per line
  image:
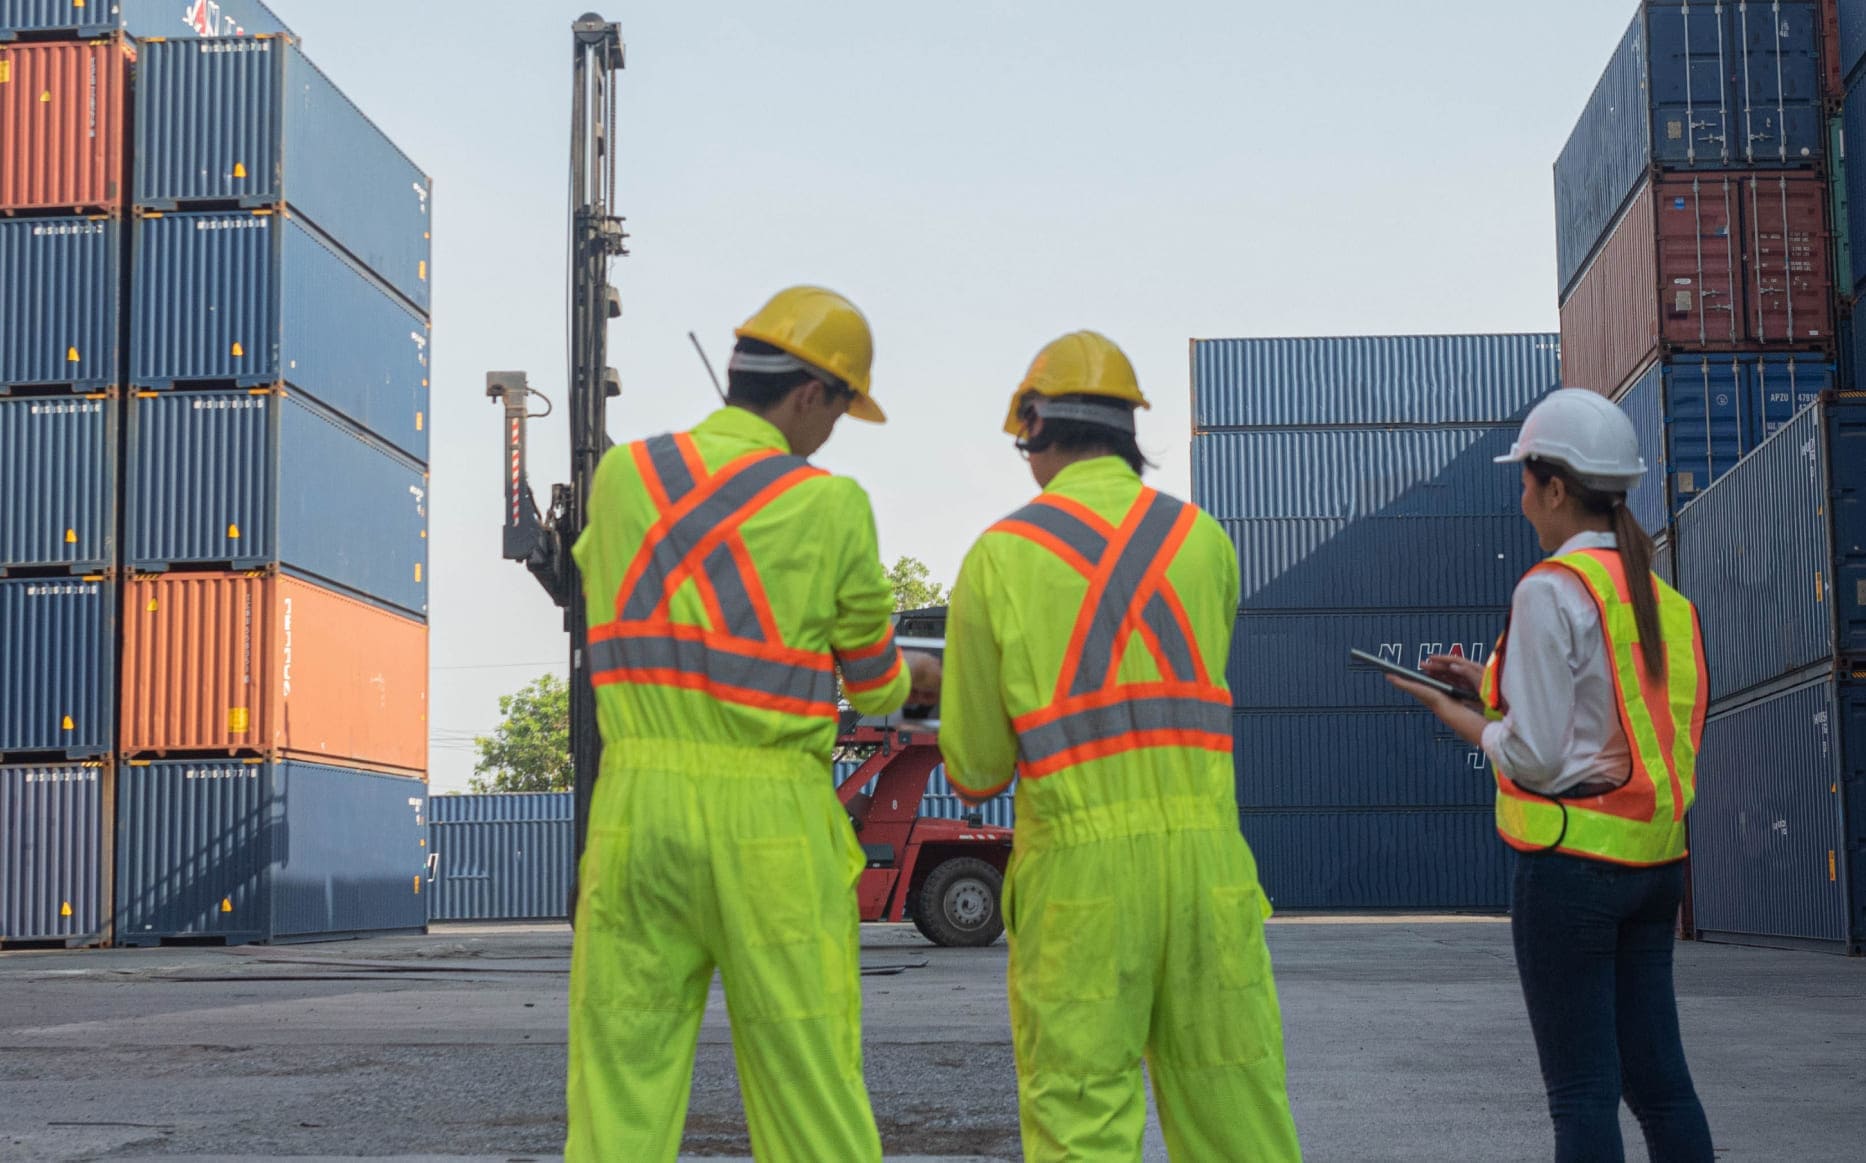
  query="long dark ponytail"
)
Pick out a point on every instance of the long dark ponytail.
point(1635, 555)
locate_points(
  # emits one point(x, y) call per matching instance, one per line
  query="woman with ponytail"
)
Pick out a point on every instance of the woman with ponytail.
point(1593, 710)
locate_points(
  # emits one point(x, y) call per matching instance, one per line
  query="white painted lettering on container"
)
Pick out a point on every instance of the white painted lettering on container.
point(57, 590)
point(79, 409)
point(68, 229)
point(285, 683)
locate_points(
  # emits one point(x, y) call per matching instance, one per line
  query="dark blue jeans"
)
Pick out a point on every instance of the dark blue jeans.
point(1594, 951)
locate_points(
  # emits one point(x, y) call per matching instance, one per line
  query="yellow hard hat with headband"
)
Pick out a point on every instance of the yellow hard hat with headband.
point(819, 332)
point(1082, 363)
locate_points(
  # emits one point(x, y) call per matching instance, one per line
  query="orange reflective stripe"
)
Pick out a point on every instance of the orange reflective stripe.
point(1175, 610)
point(1092, 604)
point(754, 587)
point(870, 667)
point(770, 677)
point(727, 523)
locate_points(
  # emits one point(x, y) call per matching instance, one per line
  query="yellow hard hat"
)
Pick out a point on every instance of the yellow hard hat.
point(824, 330)
point(1082, 363)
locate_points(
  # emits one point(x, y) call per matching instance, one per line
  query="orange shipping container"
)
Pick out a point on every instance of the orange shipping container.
point(63, 112)
point(259, 663)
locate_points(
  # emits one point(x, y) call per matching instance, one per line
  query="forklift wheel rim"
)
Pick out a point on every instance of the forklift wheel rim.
point(968, 904)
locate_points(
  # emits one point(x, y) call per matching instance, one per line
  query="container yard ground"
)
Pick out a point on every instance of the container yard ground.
point(1407, 1040)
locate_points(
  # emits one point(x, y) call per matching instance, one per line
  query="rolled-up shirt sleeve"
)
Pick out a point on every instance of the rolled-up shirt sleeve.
point(1532, 742)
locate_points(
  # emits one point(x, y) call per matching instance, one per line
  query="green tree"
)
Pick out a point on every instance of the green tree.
point(912, 590)
point(530, 749)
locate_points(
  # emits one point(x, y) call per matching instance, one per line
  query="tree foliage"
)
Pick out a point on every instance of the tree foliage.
point(912, 590)
point(530, 749)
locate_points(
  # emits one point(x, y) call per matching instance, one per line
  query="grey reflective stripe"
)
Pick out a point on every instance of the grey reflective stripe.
point(1111, 722)
point(1117, 416)
point(688, 656)
point(1095, 668)
point(1159, 618)
point(1067, 528)
point(727, 499)
point(722, 569)
point(863, 671)
point(670, 466)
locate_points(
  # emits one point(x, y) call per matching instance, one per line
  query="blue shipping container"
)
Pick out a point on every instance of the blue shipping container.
point(52, 850)
point(1774, 554)
point(1772, 848)
point(255, 123)
point(1350, 473)
point(1447, 859)
point(247, 851)
point(500, 857)
point(61, 286)
point(1423, 562)
point(1690, 86)
point(1389, 379)
point(1852, 46)
point(58, 482)
point(1697, 415)
point(249, 299)
point(1300, 661)
point(138, 18)
point(1386, 758)
point(58, 667)
point(1853, 133)
point(243, 480)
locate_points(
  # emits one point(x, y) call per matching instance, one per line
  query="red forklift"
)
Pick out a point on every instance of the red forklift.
point(944, 875)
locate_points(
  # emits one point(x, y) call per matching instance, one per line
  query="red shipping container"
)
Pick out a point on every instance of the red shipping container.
point(63, 125)
point(1703, 262)
point(1831, 77)
point(268, 665)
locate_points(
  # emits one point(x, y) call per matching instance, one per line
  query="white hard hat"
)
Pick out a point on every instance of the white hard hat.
point(1585, 433)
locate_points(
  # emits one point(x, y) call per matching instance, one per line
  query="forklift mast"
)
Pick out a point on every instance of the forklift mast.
point(597, 238)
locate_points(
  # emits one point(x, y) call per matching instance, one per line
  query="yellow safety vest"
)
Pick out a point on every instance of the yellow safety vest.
point(1086, 651)
point(726, 582)
point(1642, 822)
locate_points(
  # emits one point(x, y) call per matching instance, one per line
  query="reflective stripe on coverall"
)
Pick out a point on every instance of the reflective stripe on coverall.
point(1086, 649)
point(725, 581)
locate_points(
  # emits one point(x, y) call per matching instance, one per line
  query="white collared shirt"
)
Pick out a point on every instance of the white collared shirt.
point(1563, 726)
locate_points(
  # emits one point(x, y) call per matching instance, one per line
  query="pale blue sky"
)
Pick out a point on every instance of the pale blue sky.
point(979, 177)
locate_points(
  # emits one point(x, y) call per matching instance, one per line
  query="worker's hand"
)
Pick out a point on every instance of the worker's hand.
point(1434, 700)
point(923, 672)
point(1456, 670)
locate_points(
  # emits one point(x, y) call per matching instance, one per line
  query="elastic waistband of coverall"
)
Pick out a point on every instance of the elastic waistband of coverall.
point(1085, 824)
point(717, 761)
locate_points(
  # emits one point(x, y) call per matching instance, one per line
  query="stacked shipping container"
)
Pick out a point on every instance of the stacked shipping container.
point(213, 445)
point(1694, 235)
point(1774, 554)
point(1355, 478)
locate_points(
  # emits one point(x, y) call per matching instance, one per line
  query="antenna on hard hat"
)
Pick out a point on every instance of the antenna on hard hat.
point(709, 366)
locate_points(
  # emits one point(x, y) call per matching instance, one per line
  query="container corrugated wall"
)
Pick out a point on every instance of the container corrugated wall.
point(1435, 472)
point(170, 18)
point(249, 479)
point(1852, 47)
point(1300, 661)
point(1374, 758)
point(58, 670)
point(65, 332)
point(1765, 108)
point(500, 857)
point(1768, 843)
point(253, 122)
point(1755, 558)
point(63, 141)
point(54, 871)
point(58, 482)
point(1409, 379)
point(246, 851)
point(1421, 859)
point(267, 664)
point(246, 299)
point(1310, 563)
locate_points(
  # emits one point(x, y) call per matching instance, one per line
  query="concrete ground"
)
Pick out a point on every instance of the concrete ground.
point(1406, 1039)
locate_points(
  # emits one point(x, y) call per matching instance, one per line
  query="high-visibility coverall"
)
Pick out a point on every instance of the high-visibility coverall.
point(1086, 647)
point(727, 581)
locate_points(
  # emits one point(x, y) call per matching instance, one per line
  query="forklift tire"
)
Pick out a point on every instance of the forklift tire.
point(958, 904)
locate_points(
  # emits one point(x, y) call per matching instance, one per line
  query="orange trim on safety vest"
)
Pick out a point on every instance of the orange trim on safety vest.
point(1098, 586)
point(1121, 744)
point(1049, 541)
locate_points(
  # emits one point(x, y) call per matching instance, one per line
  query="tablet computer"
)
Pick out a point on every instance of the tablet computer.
point(1411, 675)
point(912, 717)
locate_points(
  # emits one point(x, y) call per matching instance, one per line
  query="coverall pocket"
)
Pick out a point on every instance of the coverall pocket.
point(603, 878)
point(1076, 955)
point(1240, 955)
point(780, 887)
